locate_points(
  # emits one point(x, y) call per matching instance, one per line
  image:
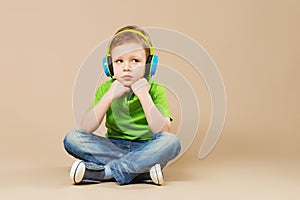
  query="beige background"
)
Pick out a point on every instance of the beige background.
point(255, 45)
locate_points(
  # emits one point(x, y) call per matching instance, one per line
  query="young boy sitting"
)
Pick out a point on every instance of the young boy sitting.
point(138, 142)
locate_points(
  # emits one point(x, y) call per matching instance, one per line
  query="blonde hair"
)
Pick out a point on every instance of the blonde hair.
point(126, 37)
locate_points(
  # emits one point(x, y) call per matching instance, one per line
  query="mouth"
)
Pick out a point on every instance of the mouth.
point(127, 77)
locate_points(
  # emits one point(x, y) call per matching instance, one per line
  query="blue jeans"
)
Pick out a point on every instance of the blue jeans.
point(126, 159)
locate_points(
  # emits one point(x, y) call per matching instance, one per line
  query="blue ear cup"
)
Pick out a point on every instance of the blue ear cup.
point(107, 66)
point(153, 65)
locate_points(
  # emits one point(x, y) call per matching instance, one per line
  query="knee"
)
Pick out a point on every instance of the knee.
point(71, 139)
point(171, 141)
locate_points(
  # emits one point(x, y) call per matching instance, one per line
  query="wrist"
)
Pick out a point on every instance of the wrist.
point(143, 95)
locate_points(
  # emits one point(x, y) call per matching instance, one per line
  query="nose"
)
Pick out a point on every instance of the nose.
point(126, 67)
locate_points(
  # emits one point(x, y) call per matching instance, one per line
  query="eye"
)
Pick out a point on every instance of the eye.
point(135, 60)
point(118, 61)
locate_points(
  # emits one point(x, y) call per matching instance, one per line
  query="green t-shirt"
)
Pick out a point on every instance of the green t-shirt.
point(125, 117)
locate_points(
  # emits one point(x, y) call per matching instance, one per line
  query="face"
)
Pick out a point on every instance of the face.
point(128, 63)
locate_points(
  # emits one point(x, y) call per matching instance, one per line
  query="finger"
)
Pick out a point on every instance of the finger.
point(126, 89)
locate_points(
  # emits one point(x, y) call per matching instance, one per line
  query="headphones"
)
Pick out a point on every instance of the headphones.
point(151, 61)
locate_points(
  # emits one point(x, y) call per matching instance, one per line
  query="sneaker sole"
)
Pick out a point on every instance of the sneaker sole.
point(77, 171)
point(156, 174)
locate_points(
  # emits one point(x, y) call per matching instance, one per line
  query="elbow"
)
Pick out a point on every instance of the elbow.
point(163, 126)
point(167, 125)
point(85, 127)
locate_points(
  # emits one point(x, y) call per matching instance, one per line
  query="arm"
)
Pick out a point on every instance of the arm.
point(94, 117)
point(157, 122)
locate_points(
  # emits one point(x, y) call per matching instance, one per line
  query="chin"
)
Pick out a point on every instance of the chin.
point(127, 83)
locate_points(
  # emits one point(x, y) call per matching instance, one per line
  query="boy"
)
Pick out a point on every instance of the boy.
point(137, 144)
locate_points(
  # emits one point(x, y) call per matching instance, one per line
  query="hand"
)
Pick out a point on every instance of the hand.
point(117, 89)
point(140, 87)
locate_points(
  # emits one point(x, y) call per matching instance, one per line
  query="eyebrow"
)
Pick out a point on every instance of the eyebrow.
point(131, 56)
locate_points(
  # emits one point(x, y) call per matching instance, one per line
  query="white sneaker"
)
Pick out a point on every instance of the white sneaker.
point(156, 174)
point(77, 171)
point(82, 172)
